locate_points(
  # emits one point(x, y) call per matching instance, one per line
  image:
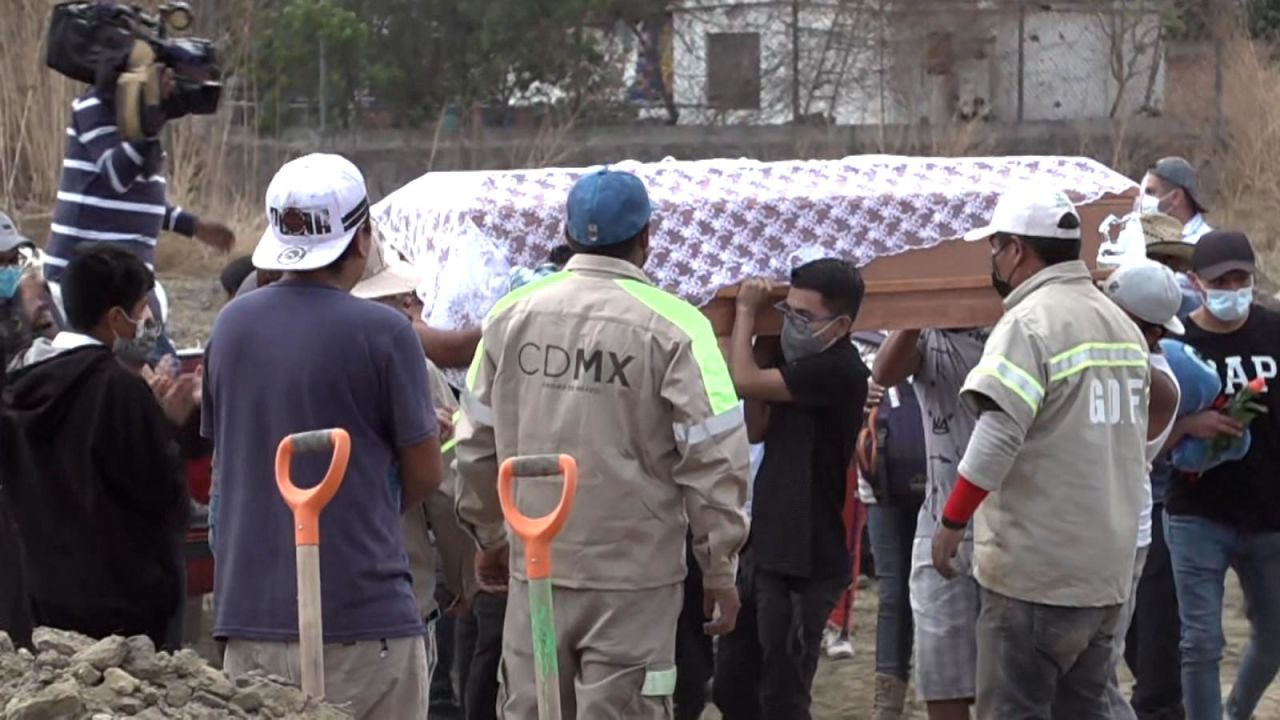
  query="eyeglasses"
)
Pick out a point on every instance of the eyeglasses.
point(789, 312)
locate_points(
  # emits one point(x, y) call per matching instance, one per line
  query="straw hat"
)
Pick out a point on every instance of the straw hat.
point(1164, 236)
point(384, 274)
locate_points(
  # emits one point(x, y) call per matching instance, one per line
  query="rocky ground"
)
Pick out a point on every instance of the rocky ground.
point(71, 677)
point(844, 690)
point(193, 303)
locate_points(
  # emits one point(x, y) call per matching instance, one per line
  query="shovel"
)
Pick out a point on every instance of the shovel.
point(306, 506)
point(537, 534)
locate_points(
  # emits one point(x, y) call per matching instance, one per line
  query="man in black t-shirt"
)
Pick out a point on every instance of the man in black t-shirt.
point(1230, 515)
point(806, 406)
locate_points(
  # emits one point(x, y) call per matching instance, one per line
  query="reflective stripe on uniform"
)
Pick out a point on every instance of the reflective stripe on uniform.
point(1095, 354)
point(710, 428)
point(503, 303)
point(524, 291)
point(706, 351)
point(1021, 382)
point(447, 447)
point(474, 370)
point(476, 411)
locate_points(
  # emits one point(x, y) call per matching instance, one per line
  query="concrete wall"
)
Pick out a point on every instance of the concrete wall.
point(391, 159)
point(901, 62)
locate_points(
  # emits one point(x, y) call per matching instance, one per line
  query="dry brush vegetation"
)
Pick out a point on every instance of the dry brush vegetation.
point(35, 105)
point(1244, 171)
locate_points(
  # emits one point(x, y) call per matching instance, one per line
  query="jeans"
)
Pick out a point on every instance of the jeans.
point(1043, 662)
point(15, 615)
point(695, 654)
point(775, 646)
point(1121, 709)
point(1202, 551)
point(479, 653)
point(892, 528)
point(1151, 647)
point(444, 703)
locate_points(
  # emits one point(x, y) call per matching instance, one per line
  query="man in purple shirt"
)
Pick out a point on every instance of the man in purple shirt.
point(304, 354)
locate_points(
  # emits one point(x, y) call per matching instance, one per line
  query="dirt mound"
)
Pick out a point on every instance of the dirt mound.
point(71, 676)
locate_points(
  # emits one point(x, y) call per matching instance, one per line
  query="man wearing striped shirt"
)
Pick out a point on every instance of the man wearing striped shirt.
point(113, 190)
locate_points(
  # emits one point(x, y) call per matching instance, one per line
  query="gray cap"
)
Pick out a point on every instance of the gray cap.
point(1148, 291)
point(10, 238)
point(1178, 172)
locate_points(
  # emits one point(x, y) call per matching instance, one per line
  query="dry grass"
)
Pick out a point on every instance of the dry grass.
point(35, 103)
point(1247, 170)
point(1243, 173)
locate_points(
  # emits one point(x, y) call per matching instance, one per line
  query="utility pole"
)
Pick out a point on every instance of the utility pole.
point(1022, 51)
point(795, 61)
point(324, 90)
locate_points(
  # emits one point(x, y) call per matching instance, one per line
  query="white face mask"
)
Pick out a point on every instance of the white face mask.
point(1149, 204)
point(1229, 305)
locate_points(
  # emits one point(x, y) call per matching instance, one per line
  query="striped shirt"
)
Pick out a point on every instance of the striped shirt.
point(111, 190)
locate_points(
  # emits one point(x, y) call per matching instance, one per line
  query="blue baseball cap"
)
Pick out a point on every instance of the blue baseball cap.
point(607, 207)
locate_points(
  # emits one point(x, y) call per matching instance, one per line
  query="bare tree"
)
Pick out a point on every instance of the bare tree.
point(1133, 30)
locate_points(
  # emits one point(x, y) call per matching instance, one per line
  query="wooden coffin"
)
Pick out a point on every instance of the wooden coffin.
point(948, 285)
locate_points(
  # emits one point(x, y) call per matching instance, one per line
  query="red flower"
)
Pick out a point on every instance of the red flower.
point(1257, 386)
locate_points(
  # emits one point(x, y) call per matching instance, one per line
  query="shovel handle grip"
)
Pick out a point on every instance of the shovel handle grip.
point(537, 533)
point(306, 504)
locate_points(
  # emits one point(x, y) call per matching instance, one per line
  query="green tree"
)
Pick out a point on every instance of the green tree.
point(312, 60)
point(1263, 17)
point(415, 58)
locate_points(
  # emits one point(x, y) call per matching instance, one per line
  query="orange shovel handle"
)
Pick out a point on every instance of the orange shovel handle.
point(537, 533)
point(307, 504)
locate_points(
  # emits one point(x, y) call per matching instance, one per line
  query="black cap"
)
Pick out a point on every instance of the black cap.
point(1178, 172)
point(1218, 252)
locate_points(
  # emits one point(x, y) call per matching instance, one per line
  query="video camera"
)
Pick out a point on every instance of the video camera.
point(125, 52)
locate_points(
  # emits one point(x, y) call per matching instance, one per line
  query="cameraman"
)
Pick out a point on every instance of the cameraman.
point(113, 191)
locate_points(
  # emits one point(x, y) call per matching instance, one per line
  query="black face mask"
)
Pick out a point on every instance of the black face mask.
point(1002, 285)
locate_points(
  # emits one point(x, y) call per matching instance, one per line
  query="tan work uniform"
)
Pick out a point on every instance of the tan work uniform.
point(1070, 368)
point(433, 525)
point(1054, 542)
point(597, 363)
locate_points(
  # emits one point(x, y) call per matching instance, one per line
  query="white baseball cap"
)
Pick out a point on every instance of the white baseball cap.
point(1036, 211)
point(383, 277)
point(315, 206)
point(1148, 291)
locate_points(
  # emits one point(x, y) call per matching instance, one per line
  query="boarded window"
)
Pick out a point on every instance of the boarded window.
point(733, 71)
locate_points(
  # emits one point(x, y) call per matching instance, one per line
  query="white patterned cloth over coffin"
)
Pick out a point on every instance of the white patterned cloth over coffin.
point(715, 222)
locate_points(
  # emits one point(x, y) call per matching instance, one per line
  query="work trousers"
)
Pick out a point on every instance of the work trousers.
point(373, 680)
point(616, 651)
point(1044, 662)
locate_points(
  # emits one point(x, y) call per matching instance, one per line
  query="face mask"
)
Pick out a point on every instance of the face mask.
point(138, 349)
point(1229, 305)
point(799, 342)
point(10, 276)
point(1002, 285)
point(1150, 204)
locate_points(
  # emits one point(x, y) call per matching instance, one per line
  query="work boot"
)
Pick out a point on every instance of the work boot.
point(891, 696)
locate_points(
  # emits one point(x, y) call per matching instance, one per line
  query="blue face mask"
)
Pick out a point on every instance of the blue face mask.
point(1229, 305)
point(10, 276)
